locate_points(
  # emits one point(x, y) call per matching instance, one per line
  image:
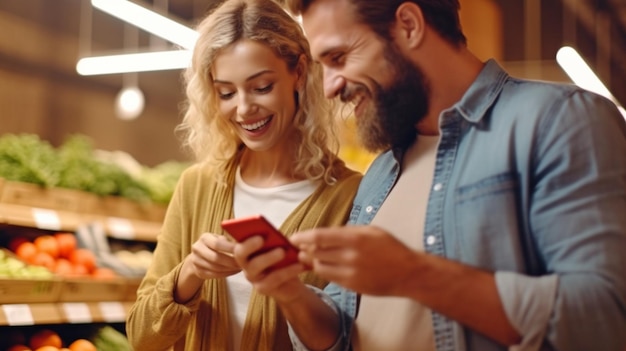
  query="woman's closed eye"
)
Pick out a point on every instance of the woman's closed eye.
point(225, 95)
point(265, 89)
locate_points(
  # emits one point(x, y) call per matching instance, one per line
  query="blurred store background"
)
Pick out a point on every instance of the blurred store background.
point(84, 184)
point(42, 40)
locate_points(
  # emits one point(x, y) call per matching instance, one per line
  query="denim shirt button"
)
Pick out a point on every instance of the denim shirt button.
point(438, 187)
point(369, 209)
point(430, 239)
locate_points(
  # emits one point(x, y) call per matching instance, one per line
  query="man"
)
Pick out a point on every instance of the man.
point(492, 220)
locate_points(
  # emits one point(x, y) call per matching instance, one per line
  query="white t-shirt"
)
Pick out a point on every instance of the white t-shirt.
point(275, 204)
point(395, 323)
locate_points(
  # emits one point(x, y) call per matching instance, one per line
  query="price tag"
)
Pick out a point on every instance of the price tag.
point(77, 312)
point(120, 228)
point(46, 219)
point(113, 311)
point(18, 314)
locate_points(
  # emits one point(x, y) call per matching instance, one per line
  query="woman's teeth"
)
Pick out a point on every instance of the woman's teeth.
point(255, 125)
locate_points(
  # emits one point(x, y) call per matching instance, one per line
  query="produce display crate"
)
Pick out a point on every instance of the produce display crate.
point(79, 202)
point(17, 290)
point(32, 205)
point(114, 206)
point(2, 219)
point(22, 289)
point(89, 289)
point(132, 284)
point(26, 194)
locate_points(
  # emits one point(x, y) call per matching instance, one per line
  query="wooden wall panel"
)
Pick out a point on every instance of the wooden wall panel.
point(482, 25)
point(41, 93)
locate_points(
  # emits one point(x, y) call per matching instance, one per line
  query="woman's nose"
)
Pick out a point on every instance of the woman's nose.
point(246, 106)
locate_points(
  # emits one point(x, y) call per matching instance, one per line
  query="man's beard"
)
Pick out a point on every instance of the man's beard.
point(392, 117)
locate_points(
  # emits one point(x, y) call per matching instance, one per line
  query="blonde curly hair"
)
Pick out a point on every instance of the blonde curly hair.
point(211, 138)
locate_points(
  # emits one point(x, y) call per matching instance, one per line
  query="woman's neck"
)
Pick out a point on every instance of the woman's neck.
point(267, 169)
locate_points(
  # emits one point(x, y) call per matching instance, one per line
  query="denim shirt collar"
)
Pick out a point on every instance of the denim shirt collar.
point(483, 92)
point(480, 96)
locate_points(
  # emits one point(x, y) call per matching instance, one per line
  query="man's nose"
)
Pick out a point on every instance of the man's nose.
point(333, 82)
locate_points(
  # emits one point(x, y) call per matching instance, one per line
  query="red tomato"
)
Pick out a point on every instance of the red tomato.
point(66, 242)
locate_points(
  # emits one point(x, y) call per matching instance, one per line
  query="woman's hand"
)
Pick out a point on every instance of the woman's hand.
point(282, 284)
point(212, 257)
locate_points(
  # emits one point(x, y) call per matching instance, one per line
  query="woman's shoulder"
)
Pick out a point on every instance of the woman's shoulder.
point(193, 171)
point(347, 180)
point(198, 174)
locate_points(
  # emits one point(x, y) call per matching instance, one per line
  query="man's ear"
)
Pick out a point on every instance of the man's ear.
point(410, 25)
point(301, 72)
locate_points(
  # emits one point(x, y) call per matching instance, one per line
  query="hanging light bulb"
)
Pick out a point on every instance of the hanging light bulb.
point(129, 103)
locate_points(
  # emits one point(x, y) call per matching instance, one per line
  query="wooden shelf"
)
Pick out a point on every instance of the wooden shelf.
point(64, 312)
point(30, 205)
point(63, 300)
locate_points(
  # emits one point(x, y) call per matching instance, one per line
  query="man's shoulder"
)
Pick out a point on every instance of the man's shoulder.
point(529, 90)
point(533, 101)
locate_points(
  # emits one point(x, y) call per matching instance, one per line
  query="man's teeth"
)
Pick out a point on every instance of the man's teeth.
point(255, 125)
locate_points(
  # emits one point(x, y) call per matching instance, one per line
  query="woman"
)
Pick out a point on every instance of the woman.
point(264, 138)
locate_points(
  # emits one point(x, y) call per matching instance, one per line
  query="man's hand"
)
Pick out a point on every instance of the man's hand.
point(315, 323)
point(371, 261)
point(365, 259)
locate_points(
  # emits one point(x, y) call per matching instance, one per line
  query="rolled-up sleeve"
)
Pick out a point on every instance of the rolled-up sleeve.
point(295, 341)
point(528, 303)
point(578, 222)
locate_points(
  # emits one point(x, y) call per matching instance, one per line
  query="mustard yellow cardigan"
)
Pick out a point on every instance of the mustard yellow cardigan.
point(199, 204)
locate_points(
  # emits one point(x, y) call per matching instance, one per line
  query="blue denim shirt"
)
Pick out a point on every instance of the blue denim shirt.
point(529, 183)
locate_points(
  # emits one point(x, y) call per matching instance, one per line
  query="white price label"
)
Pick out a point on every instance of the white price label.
point(46, 219)
point(113, 311)
point(18, 314)
point(77, 312)
point(120, 228)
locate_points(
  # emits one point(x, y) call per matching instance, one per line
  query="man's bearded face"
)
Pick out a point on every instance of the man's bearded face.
point(391, 117)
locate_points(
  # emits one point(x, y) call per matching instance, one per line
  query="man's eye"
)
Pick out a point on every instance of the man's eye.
point(265, 89)
point(337, 58)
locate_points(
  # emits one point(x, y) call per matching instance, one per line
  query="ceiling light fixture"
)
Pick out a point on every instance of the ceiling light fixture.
point(582, 75)
point(129, 103)
point(149, 21)
point(139, 62)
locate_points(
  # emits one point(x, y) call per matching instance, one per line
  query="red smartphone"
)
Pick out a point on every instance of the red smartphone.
point(243, 228)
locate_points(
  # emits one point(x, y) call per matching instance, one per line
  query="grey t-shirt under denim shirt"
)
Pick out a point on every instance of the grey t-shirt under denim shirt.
point(530, 183)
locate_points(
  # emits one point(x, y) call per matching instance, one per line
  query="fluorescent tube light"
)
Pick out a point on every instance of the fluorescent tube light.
point(149, 21)
point(140, 62)
point(582, 75)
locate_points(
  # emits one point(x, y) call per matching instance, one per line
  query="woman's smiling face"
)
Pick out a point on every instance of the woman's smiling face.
point(256, 92)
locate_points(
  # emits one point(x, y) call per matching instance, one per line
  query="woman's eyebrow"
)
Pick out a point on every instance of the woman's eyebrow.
point(256, 75)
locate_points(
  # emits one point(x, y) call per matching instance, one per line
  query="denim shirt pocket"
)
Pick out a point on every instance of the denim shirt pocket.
point(487, 223)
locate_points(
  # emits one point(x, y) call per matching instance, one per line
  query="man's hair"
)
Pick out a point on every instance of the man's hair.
point(209, 136)
point(442, 15)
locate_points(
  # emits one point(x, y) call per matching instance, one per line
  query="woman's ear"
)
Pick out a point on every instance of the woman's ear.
point(410, 25)
point(301, 72)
